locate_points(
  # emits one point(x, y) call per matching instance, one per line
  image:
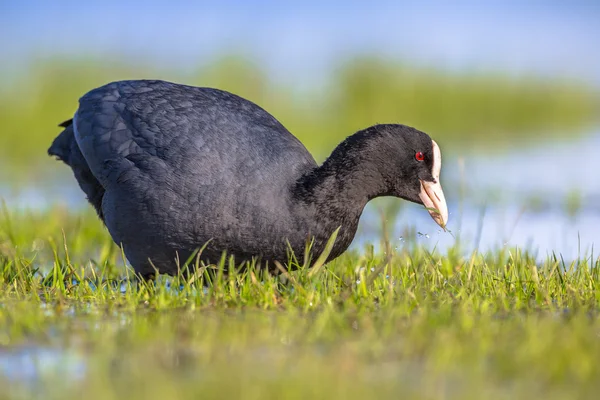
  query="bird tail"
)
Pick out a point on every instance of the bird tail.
point(65, 148)
point(61, 147)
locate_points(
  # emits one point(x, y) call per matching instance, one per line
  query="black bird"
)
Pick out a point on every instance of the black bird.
point(170, 167)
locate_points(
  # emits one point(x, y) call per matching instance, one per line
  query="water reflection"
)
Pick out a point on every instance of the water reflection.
point(33, 364)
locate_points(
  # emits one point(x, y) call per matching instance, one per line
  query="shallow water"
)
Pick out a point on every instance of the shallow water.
point(33, 363)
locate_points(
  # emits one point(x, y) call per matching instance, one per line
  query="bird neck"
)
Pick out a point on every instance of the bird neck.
point(337, 191)
point(352, 175)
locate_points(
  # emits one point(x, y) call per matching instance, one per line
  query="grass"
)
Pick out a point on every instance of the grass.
point(403, 323)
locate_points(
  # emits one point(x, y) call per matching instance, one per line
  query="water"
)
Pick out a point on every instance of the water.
point(493, 228)
point(35, 366)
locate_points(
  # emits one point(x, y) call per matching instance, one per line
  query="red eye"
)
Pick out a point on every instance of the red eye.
point(419, 156)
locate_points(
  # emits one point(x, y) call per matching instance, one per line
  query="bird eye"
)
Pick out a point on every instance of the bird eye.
point(419, 156)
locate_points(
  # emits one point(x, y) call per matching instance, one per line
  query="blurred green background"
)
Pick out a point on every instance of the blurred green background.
point(459, 109)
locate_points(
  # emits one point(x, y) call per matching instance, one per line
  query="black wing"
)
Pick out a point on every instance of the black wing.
point(156, 130)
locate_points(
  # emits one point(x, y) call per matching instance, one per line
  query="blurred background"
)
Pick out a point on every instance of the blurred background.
point(509, 89)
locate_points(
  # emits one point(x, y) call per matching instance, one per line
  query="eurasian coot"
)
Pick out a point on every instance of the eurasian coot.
point(170, 167)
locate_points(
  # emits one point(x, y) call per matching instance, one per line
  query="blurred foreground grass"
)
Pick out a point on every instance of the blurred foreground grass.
point(400, 324)
point(458, 109)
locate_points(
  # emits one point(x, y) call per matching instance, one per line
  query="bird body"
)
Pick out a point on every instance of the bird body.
point(170, 168)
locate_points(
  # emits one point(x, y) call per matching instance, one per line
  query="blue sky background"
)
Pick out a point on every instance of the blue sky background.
point(302, 39)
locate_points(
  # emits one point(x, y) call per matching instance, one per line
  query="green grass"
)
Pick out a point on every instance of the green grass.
point(404, 323)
